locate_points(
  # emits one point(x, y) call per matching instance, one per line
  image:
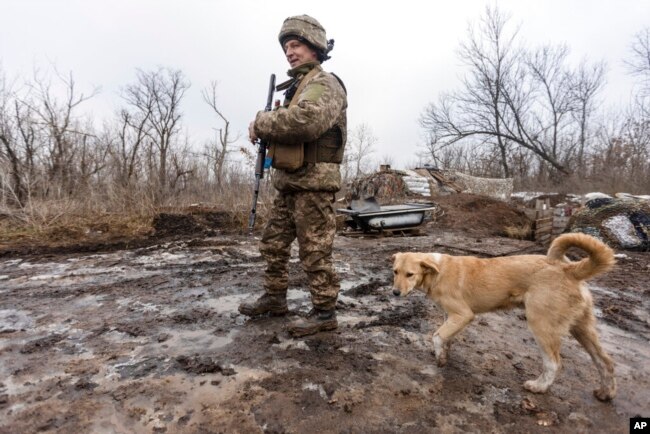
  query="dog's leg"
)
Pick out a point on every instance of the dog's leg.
point(443, 336)
point(584, 330)
point(549, 318)
point(549, 341)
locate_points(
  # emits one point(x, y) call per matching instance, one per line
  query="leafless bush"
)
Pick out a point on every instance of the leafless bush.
point(56, 168)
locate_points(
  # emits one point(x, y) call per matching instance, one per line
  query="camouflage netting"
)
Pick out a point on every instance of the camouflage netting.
point(394, 185)
point(623, 224)
point(491, 187)
point(386, 187)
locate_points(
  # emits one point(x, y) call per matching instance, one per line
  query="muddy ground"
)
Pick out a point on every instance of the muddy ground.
point(148, 339)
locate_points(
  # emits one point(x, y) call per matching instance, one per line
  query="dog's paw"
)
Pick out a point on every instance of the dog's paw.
point(440, 350)
point(534, 386)
point(604, 394)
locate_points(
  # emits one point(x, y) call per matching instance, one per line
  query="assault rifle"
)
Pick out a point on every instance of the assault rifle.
point(261, 158)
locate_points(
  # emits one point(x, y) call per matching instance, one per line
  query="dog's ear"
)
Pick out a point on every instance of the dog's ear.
point(394, 256)
point(429, 265)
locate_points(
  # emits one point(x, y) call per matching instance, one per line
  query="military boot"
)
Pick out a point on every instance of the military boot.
point(267, 303)
point(316, 321)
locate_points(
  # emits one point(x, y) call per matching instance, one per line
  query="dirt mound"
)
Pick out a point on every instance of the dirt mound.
point(478, 215)
point(196, 222)
point(110, 233)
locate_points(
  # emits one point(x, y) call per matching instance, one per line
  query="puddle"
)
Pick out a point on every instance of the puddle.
point(119, 337)
point(194, 292)
point(430, 370)
point(352, 320)
point(161, 259)
point(88, 301)
point(138, 306)
point(603, 291)
point(291, 344)
point(109, 268)
point(190, 342)
point(342, 268)
point(297, 294)
point(316, 388)
point(347, 284)
point(15, 320)
point(620, 341)
point(226, 303)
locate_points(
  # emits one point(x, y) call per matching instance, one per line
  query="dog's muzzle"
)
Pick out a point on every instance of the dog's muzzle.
point(396, 292)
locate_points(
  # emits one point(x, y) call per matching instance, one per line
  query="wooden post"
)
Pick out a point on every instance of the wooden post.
point(543, 221)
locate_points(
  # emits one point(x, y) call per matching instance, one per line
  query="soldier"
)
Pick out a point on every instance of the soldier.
point(307, 135)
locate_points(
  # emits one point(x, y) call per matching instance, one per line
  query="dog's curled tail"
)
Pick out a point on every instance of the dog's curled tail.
point(600, 260)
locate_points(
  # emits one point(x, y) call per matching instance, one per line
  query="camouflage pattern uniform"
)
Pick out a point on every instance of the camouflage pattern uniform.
point(303, 206)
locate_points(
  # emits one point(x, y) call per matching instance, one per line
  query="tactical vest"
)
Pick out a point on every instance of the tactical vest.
point(328, 148)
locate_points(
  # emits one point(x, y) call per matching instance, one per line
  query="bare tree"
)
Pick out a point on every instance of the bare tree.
point(43, 139)
point(10, 152)
point(490, 54)
point(157, 96)
point(550, 119)
point(621, 156)
point(585, 84)
point(639, 64)
point(58, 117)
point(217, 150)
point(133, 129)
point(513, 98)
point(360, 146)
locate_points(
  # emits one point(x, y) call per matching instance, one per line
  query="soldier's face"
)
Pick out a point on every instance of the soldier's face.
point(298, 53)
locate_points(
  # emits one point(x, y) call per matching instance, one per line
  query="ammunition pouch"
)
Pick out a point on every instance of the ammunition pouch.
point(328, 148)
point(287, 156)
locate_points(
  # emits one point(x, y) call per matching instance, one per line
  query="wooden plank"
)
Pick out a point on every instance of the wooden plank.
point(530, 213)
point(544, 225)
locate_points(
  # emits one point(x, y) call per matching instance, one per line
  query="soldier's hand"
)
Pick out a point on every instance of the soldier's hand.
point(251, 132)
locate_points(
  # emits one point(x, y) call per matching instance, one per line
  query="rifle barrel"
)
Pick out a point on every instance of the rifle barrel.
point(261, 156)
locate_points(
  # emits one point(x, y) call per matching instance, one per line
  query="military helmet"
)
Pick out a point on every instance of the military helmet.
point(306, 29)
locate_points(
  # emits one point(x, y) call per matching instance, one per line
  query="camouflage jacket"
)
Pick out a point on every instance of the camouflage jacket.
point(321, 105)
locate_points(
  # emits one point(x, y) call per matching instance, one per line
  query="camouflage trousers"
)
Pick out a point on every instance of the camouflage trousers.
point(308, 216)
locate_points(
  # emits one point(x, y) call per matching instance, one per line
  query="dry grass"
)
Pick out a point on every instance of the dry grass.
point(73, 229)
point(120, 215)
point(519, 232)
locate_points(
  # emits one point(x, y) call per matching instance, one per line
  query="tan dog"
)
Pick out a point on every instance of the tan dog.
point(551, 289)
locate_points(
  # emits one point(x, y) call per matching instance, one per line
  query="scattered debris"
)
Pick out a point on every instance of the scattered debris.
point(622, 223)
point(390, 185)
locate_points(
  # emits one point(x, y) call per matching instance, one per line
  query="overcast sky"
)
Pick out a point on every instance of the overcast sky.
point(395, 57)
